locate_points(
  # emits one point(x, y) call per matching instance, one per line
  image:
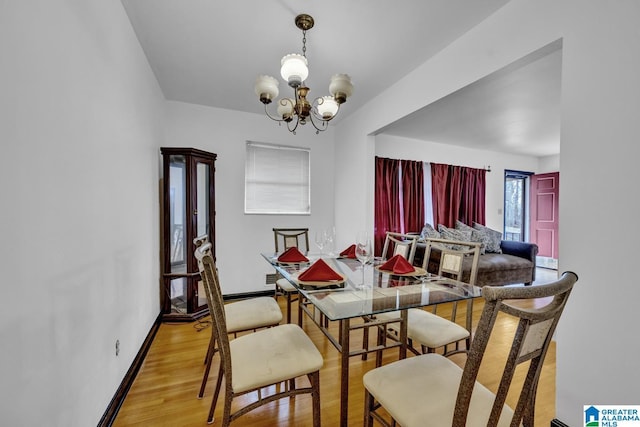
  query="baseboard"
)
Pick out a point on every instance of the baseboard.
point(109, 416)
point(558, 423)
point(231, 297)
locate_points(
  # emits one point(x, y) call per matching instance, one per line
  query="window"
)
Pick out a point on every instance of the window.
point(276, 180)
point(515, 205)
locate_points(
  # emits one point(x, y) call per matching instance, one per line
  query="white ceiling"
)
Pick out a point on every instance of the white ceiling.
point(209, 52)
point(515, 110)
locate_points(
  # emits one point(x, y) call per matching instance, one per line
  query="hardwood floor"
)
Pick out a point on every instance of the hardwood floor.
point(165, 390)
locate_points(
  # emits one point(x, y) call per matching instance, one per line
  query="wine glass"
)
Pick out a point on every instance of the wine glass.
point(321, 240)
point(330, 239)
point(363, 251)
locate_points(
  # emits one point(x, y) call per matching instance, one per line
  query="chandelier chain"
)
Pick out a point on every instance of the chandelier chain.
point(304, 43)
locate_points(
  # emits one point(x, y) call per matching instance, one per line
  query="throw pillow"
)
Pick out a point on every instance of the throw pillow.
point(493, 237)
point(428, 232)
point(476, 235)
point(453, 234)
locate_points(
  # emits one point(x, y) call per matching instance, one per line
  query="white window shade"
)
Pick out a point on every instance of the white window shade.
point(276, 180)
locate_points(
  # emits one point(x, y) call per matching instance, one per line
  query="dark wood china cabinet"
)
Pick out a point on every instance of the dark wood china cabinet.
point(188, 211)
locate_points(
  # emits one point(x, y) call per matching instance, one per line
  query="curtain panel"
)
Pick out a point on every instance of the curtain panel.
point(399, 198)
point(387, 204)
point(458, 194)
point(472, 208)
point(412, 195)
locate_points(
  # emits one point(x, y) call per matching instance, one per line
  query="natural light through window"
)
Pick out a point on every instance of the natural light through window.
point(277, 180)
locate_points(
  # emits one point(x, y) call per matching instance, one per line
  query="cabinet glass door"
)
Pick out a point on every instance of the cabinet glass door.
point(202, 215)
point(202, 199)
point(178, 243)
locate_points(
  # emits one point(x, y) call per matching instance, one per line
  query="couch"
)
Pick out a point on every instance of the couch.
point(516, 264)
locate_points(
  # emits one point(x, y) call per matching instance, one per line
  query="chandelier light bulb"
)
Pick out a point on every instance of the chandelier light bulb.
point(327, 107)
point(285, 109)
point(294, 69)
point(266, 88)
point(341, 87)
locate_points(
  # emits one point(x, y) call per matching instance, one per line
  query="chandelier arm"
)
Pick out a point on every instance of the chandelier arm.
point(293, 131)
point(324, 123)
point(274, 118)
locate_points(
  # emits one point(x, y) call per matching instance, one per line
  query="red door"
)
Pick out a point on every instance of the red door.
point(544, 216)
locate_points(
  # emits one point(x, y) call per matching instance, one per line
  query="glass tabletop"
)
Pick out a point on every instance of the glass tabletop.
point(381, 291)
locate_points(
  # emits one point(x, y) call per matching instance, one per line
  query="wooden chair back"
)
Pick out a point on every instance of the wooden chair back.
point(201, 240)
point(452, 265)
point(529, 344)
point(452, 260)
point(286, 238)
point(215, 301)
point(400, 243)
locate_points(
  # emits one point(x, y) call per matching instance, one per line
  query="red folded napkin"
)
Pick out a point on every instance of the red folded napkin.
point(392, 283)
point(350, 252)
point(398, 264)
point(319, 272)
point(292, 254)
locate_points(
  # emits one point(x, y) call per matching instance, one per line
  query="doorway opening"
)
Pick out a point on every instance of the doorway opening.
point(531, 213)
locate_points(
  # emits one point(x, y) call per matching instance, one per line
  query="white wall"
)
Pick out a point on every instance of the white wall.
point(411, 149)
point(241, 238)
point(597, 340)
point(549, 164)
point(596, 352)
point(80, 124)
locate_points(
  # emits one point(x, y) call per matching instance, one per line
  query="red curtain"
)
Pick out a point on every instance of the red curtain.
point(387, 200)
point(472, 208)
point(458, 194)
point(395, 211)
point(413, 195)
point(440, 194)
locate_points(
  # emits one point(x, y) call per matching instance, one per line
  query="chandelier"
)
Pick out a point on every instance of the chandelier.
point(298, 110)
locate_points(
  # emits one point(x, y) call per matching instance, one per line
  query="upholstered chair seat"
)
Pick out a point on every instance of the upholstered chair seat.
point(271, 356)
point(427, 329)
point(422, 391)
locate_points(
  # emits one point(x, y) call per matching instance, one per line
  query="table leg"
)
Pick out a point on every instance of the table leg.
point(344, 372)
point(404, 315)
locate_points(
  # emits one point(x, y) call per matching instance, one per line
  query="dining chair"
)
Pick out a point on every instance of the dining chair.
point(432, 387)
point(400, 243)
point(285, 238)
point(258, 360)
point(201, 240)
point(244, 315)
point(429, 330)
point(394, 244)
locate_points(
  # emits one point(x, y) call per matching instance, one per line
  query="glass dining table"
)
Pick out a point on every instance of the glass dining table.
point(354, 304)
